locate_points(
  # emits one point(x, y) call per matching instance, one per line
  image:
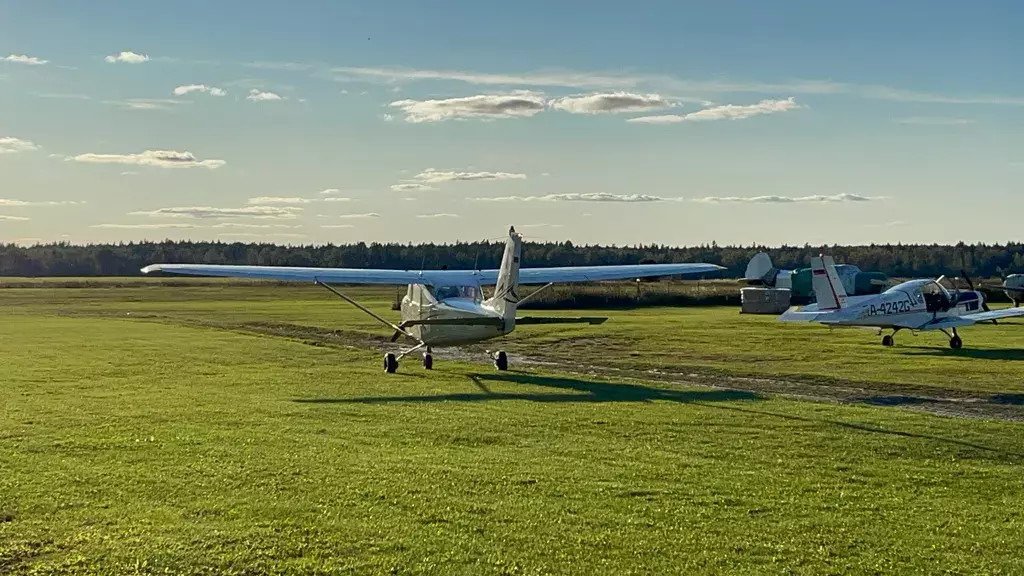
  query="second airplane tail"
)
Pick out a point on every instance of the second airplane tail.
point(828, 289)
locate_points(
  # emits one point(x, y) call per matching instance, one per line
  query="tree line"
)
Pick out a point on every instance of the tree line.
point(125, 259)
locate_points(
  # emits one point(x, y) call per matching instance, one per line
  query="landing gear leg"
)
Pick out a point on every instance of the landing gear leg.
point(501, 360)
point(955, 342)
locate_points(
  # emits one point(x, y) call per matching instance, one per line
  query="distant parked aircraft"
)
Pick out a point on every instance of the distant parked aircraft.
point(447, 307)
point(921, 304)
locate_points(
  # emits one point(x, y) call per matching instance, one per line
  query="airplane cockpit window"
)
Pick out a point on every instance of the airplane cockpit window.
point(445, 292)
point(935, 297)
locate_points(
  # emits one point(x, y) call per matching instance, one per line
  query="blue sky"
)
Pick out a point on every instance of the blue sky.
point(666, 122)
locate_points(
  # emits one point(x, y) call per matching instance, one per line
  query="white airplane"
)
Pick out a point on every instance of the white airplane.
point(447, 307)
point(921, 304)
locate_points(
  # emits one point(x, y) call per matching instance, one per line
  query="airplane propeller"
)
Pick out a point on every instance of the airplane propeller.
point(970, 284)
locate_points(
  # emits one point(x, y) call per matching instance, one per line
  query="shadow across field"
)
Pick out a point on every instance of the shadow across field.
point(587, 391)
point(976, 353)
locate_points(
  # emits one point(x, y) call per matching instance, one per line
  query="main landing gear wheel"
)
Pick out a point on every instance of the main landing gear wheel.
point(501, 360)
point(390, 363)
point(428, 361)
point(887, 340)
point(956, 343)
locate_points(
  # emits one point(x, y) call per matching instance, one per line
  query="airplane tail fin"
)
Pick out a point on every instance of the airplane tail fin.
point(506, 290)
point(828, 289)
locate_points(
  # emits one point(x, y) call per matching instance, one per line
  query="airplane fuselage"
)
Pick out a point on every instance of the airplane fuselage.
point(900, 308)
point(421, 303)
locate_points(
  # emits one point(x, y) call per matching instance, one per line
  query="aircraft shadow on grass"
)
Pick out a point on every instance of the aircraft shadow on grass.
point(581, 391)
point(977, 353)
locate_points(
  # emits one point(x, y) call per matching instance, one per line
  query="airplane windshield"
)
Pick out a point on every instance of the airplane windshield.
point(445, 292)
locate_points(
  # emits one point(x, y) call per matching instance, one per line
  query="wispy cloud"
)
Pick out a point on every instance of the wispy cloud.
point(411, 187)
point(337, 226)
point(264, 200)
point(127, 57)
point(723, 112)
point(158, 158)
point(519, 104)
point(12, 145)
point(24, 59)
point(439, 215)
point(259, 96)
point(611, 102)
point(892, 224)
point(202, 88)
point(337, 199)
point(554, 78)
point(367, 215)
point(934, 121)
point(788, 199)
point(259, 212)
point(541, 225)
point(330, 192)
point(6, 218)
point(145, 103)
point(584, 197)
point(430, 175)
point(255, 226)
point(18, 203)
point(143, 226)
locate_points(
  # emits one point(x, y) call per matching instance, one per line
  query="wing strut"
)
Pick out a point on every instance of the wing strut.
point(378, 317)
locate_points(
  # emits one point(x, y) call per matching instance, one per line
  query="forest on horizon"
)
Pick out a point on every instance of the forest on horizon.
point(126, 259)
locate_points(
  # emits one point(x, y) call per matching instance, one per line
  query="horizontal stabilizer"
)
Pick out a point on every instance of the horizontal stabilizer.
point(561, 320)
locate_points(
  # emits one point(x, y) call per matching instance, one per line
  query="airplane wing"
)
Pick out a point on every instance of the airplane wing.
point(969, 319)
point(431, 277)
point(597, 273)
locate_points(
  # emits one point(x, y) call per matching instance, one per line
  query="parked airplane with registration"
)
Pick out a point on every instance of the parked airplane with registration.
point(447, 307)
point(921, 304)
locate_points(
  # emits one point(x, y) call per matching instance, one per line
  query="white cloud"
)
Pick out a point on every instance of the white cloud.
point(127, 57)
point(129, 173)
point(411, 187)
point(435, 176)
point(5, 218)
point(611, 102)
point(441, 215)
point(24, 59)
point(159, 158)
point(188, 88)
point(278, 200)
point(337, 199)
point(11, 145)
point(259, 96)
point(259, 212)
point(337, 226)
point(585, 197)
point(788, 199)
point(518, 104)
point(330, 192)
point(10, 202)
point(367, 215)
point(723, 112)
point(934, 121)
point(142, 226)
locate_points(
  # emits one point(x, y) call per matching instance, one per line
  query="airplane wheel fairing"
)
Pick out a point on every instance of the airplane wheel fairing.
point(501, 361)
point(956, 343)
point(390, 363)
point(428, 362)
point(887, 340)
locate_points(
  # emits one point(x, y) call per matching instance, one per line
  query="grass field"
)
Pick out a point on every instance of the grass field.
point(225, 429)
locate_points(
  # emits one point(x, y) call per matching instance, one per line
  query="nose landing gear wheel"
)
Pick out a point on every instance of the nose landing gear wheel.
point(501, 361)
point(956, 343)
point(428, 361)
point(390, 363)
point(887, 340)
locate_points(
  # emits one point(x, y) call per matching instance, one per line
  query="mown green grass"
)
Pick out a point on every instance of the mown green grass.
point(140, 446)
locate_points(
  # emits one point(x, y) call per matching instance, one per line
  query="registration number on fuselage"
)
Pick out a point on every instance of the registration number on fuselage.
point(897, 307)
